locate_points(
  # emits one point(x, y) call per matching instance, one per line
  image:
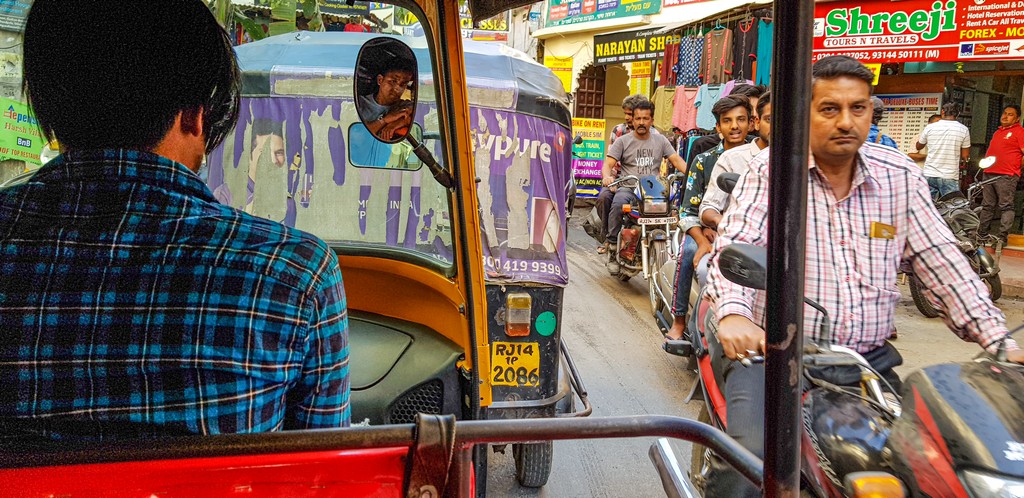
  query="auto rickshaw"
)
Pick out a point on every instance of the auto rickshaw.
point(454, 298)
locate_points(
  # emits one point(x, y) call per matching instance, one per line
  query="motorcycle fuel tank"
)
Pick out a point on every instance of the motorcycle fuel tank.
point(962, 427)
point(842, 434)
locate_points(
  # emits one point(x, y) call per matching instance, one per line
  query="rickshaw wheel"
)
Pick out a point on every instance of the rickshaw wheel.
point(533, 463)
point(658, 256)
point(699, 462)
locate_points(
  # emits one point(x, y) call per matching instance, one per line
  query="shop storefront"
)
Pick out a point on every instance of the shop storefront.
point(928, 53)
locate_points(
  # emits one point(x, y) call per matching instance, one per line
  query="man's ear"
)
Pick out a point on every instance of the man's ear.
point(192, 121)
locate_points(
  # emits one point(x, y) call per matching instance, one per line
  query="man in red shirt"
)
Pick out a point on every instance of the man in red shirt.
point(1007, 147)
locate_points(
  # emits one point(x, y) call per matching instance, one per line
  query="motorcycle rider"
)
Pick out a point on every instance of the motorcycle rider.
point(604, 199)
point(639, 153)
point(732, 116)
point(869, 208)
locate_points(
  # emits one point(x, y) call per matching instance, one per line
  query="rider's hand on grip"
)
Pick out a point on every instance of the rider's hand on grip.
point(739, 335)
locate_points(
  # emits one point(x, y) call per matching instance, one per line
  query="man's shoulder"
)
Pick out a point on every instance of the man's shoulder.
point(885, 158)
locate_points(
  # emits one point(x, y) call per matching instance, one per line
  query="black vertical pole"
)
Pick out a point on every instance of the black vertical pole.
point(787, 214)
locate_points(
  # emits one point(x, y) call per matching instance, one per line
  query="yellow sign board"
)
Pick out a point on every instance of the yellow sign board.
point(562, 67)
point(876, 69)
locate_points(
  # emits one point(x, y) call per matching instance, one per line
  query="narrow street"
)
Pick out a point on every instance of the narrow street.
point(609, 329)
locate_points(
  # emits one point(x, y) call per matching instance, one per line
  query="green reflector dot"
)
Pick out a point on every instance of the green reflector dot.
point(546, 323)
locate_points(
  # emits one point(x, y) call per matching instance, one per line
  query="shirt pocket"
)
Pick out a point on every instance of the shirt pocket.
point(877, 260)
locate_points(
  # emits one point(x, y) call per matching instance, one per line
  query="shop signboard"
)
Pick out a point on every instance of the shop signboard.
point(631, 46)
point(13, 14)
point(490, 29)
point(875, 31)
point(566, 12)
point(673, 3)
point(906, 115)
point(588, 157)
point(20, 137)
point(562, 67)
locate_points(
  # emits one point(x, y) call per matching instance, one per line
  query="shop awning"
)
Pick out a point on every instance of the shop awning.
point(604, 25)
point(673, 18)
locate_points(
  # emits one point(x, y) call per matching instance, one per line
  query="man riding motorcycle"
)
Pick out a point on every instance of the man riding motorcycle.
point(639, 153)
point(868, 209)
point(732, 116)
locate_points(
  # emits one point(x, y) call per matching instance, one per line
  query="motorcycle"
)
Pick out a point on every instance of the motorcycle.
point(963, 220)
point(952, 430)
point(644, 239)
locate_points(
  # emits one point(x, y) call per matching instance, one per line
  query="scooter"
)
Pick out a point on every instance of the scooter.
point(952, 430)
point(964, 221)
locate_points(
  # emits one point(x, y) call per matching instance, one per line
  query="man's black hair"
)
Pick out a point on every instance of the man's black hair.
point(951, 109)
point(644, 104)
point(748, 91)
point(838, 66)
point(726, 104)
point(764, 101)
point(934, 116)
point(1015, 107)
point(107, 83)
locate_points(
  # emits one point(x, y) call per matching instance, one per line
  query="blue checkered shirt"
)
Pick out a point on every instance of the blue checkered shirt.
point(130, 297)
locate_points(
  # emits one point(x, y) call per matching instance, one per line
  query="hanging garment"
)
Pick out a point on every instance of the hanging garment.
point(668, 65)
point(663, 108)
point(716, 65)
point(684, 114)
point(688, 67)
point(764, 52)
point(706, 98)
point(744, 49)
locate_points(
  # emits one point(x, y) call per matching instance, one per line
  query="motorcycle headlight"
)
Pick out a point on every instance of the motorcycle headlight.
point(655, 207)
point(984, 484)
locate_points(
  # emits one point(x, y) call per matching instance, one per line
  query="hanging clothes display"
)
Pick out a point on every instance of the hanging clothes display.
point(706, 98)
point(662, 100)
point(744, 49)
point(684, 115)
point(688, 67)
point(732, 84)
point(764, 51)
point(667, 74)
point(716, 66)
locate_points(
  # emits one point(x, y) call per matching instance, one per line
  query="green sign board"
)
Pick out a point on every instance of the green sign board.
point(565, 12)
point(19, 133)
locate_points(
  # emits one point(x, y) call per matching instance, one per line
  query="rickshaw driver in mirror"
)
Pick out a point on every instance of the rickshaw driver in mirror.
point(392, 111)
point(869, 207)
point(166, 312)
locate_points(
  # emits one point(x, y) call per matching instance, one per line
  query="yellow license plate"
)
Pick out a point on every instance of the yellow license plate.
point(515, 364)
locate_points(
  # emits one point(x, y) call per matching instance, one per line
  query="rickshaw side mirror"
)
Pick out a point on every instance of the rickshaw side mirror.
point(745, 264)
point(727, 181)
point(578, 140)
point(386, 88)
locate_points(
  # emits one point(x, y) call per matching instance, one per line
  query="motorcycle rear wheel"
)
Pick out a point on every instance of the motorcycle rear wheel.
point(700, 466)
point(920, 300)
point(657, 256)
point(995, 287)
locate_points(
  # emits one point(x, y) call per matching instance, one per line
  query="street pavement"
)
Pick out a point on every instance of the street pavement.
point(609, 329)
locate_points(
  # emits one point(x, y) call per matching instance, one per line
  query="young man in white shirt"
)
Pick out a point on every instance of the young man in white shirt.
point(949, 145)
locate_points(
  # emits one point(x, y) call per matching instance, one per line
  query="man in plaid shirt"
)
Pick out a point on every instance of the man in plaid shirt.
point(132, 303)
point(868, 208)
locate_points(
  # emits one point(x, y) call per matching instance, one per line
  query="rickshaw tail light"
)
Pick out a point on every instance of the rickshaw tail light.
point(626, 208)
point(874, 485)
point(518, 314)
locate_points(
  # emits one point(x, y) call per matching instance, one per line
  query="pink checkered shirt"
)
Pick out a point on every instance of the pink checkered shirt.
point(852, 274)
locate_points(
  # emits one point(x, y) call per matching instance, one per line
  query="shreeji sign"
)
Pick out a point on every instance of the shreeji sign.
point(631, 46)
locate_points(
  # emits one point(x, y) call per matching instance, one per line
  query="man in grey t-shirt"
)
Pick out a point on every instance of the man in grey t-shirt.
point(638, 153)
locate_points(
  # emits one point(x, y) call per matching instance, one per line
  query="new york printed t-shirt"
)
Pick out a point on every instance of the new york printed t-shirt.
point(640, 157)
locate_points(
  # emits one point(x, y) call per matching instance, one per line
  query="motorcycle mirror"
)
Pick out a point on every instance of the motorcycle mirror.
point(727, 181)
point(987, 162)
point(578, 140)
point(387, 84)
point(745, 264)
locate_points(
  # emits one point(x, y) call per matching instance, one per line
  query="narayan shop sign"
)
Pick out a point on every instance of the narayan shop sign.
point(631, 46)
point(565, 12)
point(920, 30)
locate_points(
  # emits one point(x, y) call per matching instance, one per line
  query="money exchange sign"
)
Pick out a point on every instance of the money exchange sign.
point(876, 31)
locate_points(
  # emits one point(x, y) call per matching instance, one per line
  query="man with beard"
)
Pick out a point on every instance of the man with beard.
point(640, 154)
point(732, 115)
point(868, 211)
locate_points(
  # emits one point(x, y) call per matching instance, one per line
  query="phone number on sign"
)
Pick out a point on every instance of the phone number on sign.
point(882, 55)
point(519, 265)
